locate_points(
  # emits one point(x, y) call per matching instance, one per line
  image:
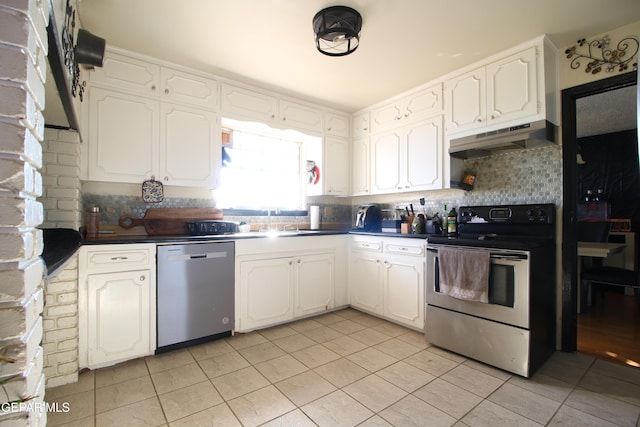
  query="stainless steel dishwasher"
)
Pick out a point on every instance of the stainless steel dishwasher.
point(195, 293)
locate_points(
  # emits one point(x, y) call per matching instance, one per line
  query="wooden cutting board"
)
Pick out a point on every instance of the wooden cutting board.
point(169, 221)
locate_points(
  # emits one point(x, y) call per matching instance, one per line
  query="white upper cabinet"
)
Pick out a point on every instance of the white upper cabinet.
point(301, 117)
point(336, 166)
point(240, 103)
point(466, 101)
point(185, 88)
point(187, 146)
point(245, 104)
point(360, 180)
point(509, 89)
point(408, 159)
point(132, 139)
point(410, 108)
point(124, 131)
point(168, 84)
point(500, 92)
point(361, 124)
point(512, 87)
point(336, 124)
point(128, 74)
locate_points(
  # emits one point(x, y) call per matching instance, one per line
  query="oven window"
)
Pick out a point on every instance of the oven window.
point(501, 284)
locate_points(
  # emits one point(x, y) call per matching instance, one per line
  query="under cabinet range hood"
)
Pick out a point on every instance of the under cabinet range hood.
point(529, 135)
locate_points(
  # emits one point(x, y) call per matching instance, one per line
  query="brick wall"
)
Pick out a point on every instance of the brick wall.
point(61, 179)
point(23, 48)
point(60, 341)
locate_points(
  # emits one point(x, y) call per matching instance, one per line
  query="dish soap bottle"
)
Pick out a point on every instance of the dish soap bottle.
point(452, 219)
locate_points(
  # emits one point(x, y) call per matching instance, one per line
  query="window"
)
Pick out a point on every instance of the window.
point(262, 168)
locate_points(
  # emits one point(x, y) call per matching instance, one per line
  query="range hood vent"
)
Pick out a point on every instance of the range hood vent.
point(530, 135)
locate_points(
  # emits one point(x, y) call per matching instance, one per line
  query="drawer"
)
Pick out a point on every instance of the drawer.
point(120, 257)
point(393, 248)
point(366, 245)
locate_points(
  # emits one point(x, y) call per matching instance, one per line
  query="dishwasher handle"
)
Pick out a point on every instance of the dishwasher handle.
point(207, 255)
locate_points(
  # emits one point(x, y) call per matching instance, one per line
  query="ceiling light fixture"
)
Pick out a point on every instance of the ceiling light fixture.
point(337, 30)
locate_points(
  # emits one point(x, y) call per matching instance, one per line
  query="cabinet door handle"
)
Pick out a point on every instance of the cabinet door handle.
point(153, 88)
point(299, 261)
point(142, 278)
point(166, 178)
point(119, 258)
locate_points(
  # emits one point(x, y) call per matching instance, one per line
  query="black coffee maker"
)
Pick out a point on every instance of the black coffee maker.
point(369, 218)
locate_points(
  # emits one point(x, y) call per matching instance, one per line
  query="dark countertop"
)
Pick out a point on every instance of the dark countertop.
point(61, 243)
point(109, 239)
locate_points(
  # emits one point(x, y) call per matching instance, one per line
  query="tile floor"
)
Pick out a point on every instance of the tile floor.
point(344, 369)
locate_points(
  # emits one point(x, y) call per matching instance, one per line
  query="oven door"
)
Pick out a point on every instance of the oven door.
point(508, 287)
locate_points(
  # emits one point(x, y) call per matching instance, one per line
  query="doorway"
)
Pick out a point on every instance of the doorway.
point(571, 193)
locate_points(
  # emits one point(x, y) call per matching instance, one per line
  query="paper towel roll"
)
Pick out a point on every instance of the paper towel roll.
point(314, 213)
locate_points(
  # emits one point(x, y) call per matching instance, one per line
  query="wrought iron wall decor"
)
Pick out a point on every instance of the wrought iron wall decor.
point(69, 51)
point(601, 56)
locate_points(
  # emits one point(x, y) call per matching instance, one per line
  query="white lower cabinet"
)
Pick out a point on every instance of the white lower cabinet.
point(314, 283)
point(266, 292)
point(387, 278)
point(279, 280)
point(116, 303)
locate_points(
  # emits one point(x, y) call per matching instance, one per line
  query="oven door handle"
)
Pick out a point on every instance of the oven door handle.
point(511, 257)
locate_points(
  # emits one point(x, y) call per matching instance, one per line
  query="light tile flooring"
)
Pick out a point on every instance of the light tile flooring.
point(344, 369)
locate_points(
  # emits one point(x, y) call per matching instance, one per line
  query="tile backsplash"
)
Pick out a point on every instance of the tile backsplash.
point(515, 177)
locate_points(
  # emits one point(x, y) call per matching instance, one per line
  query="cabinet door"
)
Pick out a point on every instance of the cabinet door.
point(314, 278)
point(123, 137)
point(186, 88)
point(239, 103)
point(336, 166)
point(386, 117)
point(336, 124)
point(190, 144)
point(118, 316)
point(365, 282)
point(423, 158)
point(385, 163)
point(300, 117)
point(360, 171)
point(404, 284)
point(466, 101)
point(512, 88)
point(266, 292)
point(422, 104)
point(361, 124)
point(128, 74)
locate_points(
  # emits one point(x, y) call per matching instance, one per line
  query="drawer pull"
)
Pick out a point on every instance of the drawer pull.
point(119, 258)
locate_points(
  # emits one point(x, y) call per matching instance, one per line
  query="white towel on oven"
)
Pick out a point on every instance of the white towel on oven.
point(464, 273)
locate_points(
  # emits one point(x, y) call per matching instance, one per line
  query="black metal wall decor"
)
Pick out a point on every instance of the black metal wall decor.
point(69, 52)
point(602, 57)
point(88, 49)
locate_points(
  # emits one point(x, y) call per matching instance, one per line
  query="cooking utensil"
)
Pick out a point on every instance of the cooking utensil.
point(412, 211)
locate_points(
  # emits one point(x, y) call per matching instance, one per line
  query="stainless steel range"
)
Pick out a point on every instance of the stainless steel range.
point(491, 290)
